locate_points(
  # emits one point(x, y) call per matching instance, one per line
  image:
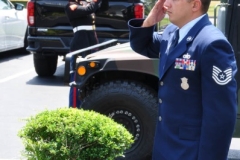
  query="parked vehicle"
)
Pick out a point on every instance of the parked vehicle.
point(50, 32)
point(123, 85)
point(13, 26)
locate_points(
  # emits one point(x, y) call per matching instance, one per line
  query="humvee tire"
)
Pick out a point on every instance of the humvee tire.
point(132, 104)
point(45, 66)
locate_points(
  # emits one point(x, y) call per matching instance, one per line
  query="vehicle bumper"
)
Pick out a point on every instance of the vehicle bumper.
point(48, 45)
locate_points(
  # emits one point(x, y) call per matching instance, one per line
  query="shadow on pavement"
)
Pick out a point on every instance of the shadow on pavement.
point(56, 80)
point(13, 54)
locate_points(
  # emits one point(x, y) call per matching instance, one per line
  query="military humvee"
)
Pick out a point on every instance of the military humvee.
point(123, 85)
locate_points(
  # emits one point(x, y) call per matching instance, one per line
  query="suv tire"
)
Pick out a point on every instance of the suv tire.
point(134, 106)
point(45, 66)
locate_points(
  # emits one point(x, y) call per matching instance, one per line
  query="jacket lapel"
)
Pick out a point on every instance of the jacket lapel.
point(182, 47)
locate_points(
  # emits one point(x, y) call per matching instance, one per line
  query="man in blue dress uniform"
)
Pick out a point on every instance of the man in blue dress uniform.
point(197, 89)
point(82, 18)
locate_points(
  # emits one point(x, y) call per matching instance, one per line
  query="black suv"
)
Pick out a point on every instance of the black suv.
point(50, 32)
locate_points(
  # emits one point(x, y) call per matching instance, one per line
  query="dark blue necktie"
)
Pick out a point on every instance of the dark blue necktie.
point(174, 41)
point(173, 44)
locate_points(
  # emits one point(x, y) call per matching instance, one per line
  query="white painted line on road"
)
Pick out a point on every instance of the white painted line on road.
point(235, 144)
point(16, 75)
point(22, 73)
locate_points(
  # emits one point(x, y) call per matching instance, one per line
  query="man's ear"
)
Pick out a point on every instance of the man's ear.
point(196, 5)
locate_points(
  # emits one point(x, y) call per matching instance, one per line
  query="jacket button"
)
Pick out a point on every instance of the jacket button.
point(160, 118)
point(160, 101)
point(161, 83)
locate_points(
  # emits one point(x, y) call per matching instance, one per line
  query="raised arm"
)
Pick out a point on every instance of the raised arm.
point(75, 10)
point(143, 39)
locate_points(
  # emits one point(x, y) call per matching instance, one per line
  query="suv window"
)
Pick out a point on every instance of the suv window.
point(4, 4)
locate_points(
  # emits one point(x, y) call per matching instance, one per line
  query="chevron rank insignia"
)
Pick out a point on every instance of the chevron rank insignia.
point(221, 77)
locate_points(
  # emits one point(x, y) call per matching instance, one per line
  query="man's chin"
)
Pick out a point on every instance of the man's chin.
point(171, 19)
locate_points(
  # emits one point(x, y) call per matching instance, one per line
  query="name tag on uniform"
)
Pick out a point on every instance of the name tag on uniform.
point(185, 63)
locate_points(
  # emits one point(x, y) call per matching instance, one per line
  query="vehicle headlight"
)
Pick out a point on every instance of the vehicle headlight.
point(81, 70)
point(93, 64)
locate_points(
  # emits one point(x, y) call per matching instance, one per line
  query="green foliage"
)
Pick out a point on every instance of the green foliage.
point(213, 4)
point(73, 134)
point(24, 2)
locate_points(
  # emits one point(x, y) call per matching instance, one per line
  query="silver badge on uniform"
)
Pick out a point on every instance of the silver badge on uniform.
point(221, 77)
point(189, 38)
point(187, 56)
point(184, 83)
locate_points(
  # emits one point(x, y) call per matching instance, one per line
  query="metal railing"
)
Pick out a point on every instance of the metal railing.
point(73, 55)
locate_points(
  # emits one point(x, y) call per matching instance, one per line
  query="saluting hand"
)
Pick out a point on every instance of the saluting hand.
point(157, 13)
point(73, 7)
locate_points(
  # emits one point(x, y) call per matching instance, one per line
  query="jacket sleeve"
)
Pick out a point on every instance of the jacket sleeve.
point(82, 10)
point(219, 100)
point(144, 40)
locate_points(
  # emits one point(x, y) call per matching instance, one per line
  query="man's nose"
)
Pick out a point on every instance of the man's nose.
point(166, 3)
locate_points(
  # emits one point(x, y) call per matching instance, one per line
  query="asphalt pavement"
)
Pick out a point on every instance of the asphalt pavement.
point(234, 152)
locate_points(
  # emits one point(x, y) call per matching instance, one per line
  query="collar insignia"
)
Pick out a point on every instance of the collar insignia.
point(189, 38)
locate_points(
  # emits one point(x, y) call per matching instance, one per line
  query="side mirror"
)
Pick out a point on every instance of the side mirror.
point(18, 6)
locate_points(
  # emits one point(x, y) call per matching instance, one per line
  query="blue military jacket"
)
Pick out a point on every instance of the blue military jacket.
point(197, 91)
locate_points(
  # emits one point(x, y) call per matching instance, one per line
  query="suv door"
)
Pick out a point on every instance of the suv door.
point(13, 25)
point(2, 21)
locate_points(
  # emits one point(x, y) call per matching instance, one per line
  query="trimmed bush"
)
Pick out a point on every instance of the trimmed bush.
point(73, 134)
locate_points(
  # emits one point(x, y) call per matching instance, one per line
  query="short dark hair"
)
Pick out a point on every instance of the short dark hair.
point(205, 5)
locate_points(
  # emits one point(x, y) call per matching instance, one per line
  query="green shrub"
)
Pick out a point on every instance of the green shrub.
point(73, 134)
